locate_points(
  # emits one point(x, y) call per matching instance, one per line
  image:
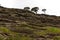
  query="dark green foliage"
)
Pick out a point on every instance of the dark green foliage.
point(44, 10)
point(35, 9)
point(26, 8)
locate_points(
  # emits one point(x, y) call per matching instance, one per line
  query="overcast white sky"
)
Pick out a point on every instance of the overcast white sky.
point(52, 6)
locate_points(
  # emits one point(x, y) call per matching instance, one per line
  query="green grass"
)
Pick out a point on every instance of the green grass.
point(53, 30)
point(17, 36)
point(57, 38)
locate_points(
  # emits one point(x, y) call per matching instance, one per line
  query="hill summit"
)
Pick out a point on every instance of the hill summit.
point(20, 24)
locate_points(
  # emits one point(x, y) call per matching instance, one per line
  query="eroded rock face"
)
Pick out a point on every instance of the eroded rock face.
point(18, 24)
point(11, 16)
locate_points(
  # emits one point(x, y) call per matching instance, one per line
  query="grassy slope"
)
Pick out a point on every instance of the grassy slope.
point(30, 33)
point(32, 27)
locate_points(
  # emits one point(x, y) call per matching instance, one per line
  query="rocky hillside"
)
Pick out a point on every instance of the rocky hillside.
point(19, 24)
